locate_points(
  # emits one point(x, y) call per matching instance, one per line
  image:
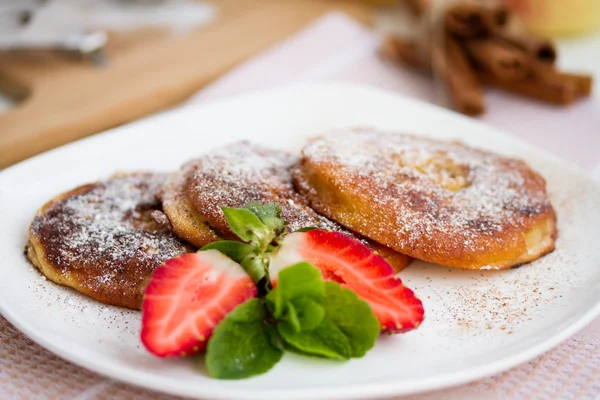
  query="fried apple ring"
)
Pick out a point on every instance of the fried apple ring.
point(438, 201)
point(242, 172)
point(101, 239)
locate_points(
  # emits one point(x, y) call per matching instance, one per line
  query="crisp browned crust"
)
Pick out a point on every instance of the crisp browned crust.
point(101, 239)
point(437, 201)
point(234, 175)
point(187, 222)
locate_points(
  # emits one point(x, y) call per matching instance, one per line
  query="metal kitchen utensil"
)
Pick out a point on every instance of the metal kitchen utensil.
point(80, 26)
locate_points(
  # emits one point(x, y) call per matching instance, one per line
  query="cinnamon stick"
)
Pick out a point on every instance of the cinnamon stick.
point(469, 20)
point(559, 91)
point(540, 49)
point(399, 50)
point(456, 76)
point(499, 59)
point(544, 72)
point(470, 46)
point(583, 83)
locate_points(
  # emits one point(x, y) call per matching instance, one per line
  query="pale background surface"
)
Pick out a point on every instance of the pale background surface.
point(336, 48)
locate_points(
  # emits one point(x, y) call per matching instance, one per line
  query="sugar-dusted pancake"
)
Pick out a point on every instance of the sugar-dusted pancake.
point(438, 201)
point(187, 223)
point(102, 240)
point(234, 175)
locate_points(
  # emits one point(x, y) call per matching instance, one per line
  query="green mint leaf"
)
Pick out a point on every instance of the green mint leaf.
point(348, 329)
point(298, 297)
point(246, 225)
point(291, 316)
point(241, 345)
point(269, 214)
point(292, 349)
point(326, 340)
point(353, 316)
point(274, 337)
point(294, 282)
point(272, 210)
point(237, 251)
point(309, 313)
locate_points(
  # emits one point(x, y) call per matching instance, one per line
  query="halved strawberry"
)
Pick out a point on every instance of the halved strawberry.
point(187, 297)
point(349, 262)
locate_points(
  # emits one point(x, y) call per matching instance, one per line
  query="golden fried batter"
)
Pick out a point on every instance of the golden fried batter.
point(239, 173)
point(186, 221)
point(101, 239)
point(441, 202)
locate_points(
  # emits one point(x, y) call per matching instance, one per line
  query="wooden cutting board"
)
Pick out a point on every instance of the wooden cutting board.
point(64, 99)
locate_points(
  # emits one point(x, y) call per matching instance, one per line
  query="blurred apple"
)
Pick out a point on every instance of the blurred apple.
point(557, 17)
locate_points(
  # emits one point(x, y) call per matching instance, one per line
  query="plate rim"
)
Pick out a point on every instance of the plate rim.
point(377, 389)
point(373, 389)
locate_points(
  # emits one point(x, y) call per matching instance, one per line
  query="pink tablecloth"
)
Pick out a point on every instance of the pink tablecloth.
point(335, 47)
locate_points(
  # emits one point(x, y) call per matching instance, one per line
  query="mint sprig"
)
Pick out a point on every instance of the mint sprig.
point(303, 313)
point(247, 226)
point(241, 345)
point(259, 228)
point(297, 302)
point(335, 323)
point(270, 215)
point(307, 316)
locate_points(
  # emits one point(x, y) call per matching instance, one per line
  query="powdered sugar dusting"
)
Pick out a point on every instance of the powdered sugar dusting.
point(104, 233)
point(431, 188)
point(234, 175)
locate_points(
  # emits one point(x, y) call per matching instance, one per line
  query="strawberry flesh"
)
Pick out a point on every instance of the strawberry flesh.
point(187, 297)
point(350, 263)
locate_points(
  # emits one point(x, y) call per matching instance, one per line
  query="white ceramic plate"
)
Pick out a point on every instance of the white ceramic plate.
point(477, 323)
